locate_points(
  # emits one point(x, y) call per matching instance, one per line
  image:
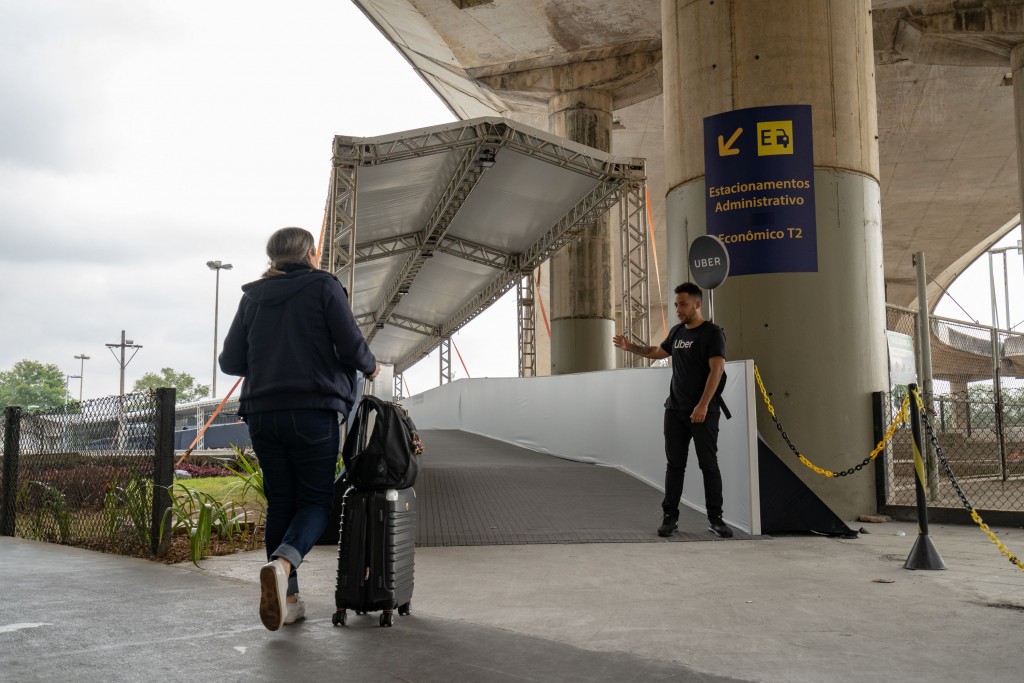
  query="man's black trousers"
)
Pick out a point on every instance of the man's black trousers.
point(678, 433)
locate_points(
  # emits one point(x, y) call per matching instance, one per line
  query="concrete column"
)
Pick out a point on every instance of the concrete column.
point(1017, 68)
point(581, 273)
point(959, 404)
point(818, 338)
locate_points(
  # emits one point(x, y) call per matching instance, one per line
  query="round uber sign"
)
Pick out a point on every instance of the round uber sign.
point(709, 261)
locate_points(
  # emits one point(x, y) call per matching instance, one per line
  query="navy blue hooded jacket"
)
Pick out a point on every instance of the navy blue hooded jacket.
point(296, 342)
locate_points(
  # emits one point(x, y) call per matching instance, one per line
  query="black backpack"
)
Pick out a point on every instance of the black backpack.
point(389, 458)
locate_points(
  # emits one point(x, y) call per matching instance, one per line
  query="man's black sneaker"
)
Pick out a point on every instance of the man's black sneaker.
point(719, 528)
point(668, 525)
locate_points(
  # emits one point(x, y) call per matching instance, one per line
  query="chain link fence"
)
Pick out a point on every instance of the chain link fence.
point(90, 475)
point(977, 413)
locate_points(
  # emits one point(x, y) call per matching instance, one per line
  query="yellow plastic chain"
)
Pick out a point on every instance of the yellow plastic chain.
point(995, 539)
point(970, 508)
point(899, 419)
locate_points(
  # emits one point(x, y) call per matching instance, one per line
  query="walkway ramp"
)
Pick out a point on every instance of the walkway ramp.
point(473, 490)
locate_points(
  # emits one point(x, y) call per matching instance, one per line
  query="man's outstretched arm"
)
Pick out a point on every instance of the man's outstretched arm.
point(652, 352)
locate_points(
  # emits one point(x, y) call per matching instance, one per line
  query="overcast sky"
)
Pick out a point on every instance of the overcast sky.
point(971, 295)
point(140, 139)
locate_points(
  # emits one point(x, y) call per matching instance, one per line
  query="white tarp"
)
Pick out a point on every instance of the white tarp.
point(610, 418)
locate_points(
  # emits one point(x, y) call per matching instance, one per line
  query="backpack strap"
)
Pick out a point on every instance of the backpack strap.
point(710, 329)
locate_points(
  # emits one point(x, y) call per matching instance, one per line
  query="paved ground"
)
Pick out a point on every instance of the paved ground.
point(799, 608)
point(71, 614)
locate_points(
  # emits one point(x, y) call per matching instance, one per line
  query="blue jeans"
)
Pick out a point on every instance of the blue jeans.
point(297, 450)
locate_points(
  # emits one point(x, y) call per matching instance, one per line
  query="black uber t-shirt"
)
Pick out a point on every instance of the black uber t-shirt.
point(690, 351)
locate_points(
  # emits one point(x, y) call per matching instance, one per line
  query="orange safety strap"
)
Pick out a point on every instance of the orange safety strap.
point(654, 248)
point(543, 311)
point(188, 451)
point(456, 347)
point(323, 231)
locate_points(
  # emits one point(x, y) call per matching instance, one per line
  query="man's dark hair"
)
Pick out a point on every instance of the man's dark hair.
point(691, 289)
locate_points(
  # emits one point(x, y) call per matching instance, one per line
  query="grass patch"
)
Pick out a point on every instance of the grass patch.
point(209, 508)
point(224, 489)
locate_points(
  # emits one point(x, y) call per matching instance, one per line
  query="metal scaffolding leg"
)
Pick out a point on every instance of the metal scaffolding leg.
point(397, 393)
point(446, 360)
point(636, 320)
point(527, 326)
point(341, 245)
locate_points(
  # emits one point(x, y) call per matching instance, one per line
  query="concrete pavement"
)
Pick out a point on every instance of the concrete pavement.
point(71, 614)
point(797, 608)
point(800, 608)
point(496, 600)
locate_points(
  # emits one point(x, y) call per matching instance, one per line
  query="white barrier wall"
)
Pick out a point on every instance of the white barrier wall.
point(610, 418)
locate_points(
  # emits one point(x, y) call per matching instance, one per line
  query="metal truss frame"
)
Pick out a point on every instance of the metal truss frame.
point(593, 205)
point(486, 132)
point(461, 185)
point(396, 392)
point(527, 319)
point(619, 183)
point(399, 321)
point(446, 360)
point(636, 318)
point(337, 256)
point(456, 246)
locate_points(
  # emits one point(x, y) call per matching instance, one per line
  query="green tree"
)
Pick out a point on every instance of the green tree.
point(185, 383)
point(33, 386)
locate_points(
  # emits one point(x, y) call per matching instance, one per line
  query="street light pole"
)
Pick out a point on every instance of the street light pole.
point(67, 387)
point(992, 291)
point(216, 266)
point(81, 375)
point(1006, 284)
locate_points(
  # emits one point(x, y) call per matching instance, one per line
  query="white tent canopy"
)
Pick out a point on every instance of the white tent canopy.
point(440, 222)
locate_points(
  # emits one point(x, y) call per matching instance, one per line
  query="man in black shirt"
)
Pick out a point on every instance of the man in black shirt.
point(693, 407)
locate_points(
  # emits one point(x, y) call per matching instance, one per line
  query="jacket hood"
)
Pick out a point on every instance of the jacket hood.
point(279, 288)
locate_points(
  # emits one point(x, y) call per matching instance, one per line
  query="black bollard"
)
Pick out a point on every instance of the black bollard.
point(923, 555)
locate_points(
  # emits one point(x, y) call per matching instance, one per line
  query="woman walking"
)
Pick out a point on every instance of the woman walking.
point(296, 342)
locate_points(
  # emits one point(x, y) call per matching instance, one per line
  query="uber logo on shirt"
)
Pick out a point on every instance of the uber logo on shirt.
point(680, 344)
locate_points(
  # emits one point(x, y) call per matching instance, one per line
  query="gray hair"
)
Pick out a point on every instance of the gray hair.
point(288, 245)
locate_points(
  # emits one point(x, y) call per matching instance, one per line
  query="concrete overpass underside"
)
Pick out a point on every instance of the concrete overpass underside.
point(915, 136)
point(946, 121)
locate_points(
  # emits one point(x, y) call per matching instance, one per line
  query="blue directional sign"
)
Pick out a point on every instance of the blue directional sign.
point(759, 167)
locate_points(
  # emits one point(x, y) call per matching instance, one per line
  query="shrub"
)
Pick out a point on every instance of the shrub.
point(200, 471)
point(46, 509)
point(200, 515)
point(127, 507)
point(249, 473)
point(83, 486)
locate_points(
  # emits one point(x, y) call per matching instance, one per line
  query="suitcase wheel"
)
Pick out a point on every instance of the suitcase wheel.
point(340, 618)
point(387, 618)
point(405, 610)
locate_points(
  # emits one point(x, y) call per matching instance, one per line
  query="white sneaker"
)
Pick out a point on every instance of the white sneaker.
point(295, 611)
point(273, 593)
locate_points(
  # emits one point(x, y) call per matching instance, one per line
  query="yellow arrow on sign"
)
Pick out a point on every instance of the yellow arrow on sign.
point(725, 149)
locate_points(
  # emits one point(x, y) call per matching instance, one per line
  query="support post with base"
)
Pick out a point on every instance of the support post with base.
point(923, 555)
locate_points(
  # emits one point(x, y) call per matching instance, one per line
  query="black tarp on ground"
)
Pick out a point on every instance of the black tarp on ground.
point(788, 505)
